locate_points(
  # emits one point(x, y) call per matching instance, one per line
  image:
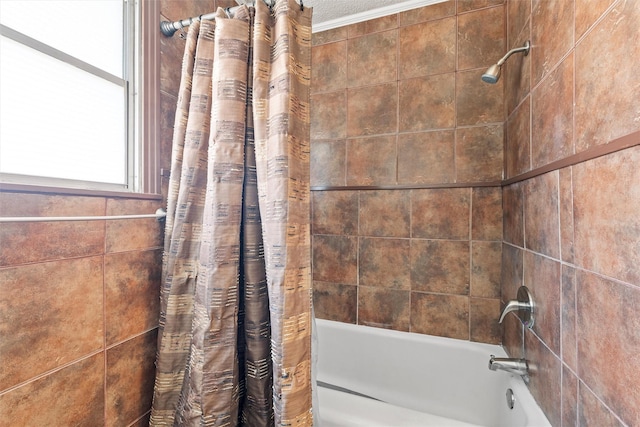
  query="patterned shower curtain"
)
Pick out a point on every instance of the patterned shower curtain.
point(234, 344)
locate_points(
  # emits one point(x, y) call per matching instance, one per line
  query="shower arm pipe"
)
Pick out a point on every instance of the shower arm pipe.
point(524, 49)
point(159, 215)
point(169, 28)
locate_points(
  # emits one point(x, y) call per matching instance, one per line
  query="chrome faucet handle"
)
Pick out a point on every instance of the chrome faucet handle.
point(512, 305)
point(524, 305)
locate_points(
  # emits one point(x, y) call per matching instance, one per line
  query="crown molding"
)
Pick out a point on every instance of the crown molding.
point(373, 14)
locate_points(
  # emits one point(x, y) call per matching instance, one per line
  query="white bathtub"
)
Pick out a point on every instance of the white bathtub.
point(418, 380)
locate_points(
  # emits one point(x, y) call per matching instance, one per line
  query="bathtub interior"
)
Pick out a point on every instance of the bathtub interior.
point(342, 409)
point(433, 375)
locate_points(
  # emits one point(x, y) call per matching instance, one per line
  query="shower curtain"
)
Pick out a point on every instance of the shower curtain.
point(234, 345)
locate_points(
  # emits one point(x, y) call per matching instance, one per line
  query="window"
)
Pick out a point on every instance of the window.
point(69, 85)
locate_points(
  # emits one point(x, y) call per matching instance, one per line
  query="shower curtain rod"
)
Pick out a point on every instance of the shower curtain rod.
point(169, 28)
point(159, 215)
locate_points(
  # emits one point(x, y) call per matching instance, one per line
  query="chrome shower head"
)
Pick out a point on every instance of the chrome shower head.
point(492, 75)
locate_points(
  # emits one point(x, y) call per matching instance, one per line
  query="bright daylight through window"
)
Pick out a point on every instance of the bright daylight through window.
point(68, 93)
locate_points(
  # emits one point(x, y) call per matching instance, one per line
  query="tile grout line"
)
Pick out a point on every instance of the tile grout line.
point(104, 321)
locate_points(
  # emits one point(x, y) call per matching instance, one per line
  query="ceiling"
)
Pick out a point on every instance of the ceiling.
point(329, 14)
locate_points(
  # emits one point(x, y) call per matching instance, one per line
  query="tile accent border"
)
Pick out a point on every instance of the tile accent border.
point(618, 144)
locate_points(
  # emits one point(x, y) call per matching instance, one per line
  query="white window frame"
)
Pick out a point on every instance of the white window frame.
point(141, 68)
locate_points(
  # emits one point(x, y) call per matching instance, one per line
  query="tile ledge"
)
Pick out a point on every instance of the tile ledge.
point(618, 144)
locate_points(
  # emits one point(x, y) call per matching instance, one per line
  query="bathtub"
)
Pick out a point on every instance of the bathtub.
point(376, 377)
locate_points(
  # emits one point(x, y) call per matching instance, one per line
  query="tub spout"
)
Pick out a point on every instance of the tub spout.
point(513, 366)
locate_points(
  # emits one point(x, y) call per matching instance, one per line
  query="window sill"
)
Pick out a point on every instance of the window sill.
point(38, 189)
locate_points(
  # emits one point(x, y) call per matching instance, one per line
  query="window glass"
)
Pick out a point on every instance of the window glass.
point(59, 121)
point(90, 30)
point(69, 104)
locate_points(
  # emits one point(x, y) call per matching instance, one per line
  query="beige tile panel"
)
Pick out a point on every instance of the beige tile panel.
point(334, 212)
point(518, 14)
point(130, 378)
point(384, 308)
point(542, 276)
point(373, 26)
point(132, 287)
point(427, 48)
point(608, 360)
point(372, 59)
point(481, 38)
point(329, 36)
point(512, 272)
point(441, 315)
point(483, 320)
point(606, 199)
point(545, 372)
point(566, 214)
point(469, 5)
point(426, 157)
point(72, 396)
point(513, 224)
point(516, 72)
point(335, 259)
point(428, 13)
point(427, 103)
point(552, 121)
point(440, 266)
point(22, 243)
point(440, 213)
point(591, 410)
point(607, 89)
point(371, 161)
point(568, 331)
point(133, 234)
point(479, 153)
point(51, 315)
point(334, 301)
point(478, 102)
point(569, 397)
point(518, 140)
point(588, 12)
point(541, 217)
point(486, 213)
point(385, 213)
point(383, 263)
point(551, 35)
point(372, 110)
point(328, 163)
point(486, 263)
point(329, 70)
point(329, 115)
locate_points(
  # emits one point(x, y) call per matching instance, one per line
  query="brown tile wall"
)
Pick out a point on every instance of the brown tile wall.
point(397, 103)
point(79, 311)
point(79, 300)
point(572, 234)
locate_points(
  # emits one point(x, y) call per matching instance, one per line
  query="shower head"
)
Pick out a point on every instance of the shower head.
point(492, 75)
